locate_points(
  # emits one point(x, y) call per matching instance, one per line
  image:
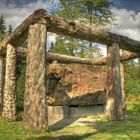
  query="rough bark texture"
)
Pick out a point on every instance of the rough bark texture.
point(122, 85)
point(1, 82)
point(77, 30)
point(70, 59)
point(9, 97)
point(20, 34)
point(35, 108)
point(69, 28)
point(114, 93)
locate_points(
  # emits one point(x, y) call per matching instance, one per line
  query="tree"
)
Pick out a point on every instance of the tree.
point(90, 12)
point(2, 27)
point(132, 76)
point(66, 45)
point(10, 29)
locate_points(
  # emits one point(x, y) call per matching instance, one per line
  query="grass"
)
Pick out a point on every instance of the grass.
point(101, 130)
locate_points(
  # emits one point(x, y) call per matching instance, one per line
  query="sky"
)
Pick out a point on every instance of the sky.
point(127, 15)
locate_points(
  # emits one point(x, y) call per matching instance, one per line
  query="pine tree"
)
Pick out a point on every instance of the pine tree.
point(2, 28)
point(90, 12)
point(10, 29)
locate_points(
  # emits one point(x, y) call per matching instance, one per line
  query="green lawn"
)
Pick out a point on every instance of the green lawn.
point(101, 130)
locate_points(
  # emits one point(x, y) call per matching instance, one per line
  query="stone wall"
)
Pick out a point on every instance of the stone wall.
point(75, 84)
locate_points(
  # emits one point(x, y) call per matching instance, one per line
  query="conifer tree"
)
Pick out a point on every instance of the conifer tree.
point(10, 29)
point(95, 13)
point(2, 27)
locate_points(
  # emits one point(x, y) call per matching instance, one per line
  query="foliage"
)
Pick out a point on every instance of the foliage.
point(132, 76)
point(3, 31)
point(75, 47)
point(20, 73)
point(10, 29)
point(90, 12)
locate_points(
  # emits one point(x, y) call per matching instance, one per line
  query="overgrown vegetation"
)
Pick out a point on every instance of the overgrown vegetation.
point(132, 76)
point(94, 13)
point(102, 129)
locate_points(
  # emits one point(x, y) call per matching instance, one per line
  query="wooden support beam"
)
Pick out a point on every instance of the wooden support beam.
point(69, 28)
point(1, 82)
point(76, 30)
point(125, 56)
point(114, 93)
point(122, 85)
point(99, 61)
point(35, 107)
point(9, 97)
point(20, 34)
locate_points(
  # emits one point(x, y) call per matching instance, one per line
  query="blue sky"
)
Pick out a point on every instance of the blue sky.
point(128, 4)
point(127, 15)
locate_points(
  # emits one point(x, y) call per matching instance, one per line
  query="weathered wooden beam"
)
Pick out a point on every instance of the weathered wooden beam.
point(70, 59)
point(9, 97)
point(69, 28)
point(19, 35)
point(122, 85)
point(1, 82)
point(99, 61)
point(114, 109)
point(35, 107)
point(77, 30)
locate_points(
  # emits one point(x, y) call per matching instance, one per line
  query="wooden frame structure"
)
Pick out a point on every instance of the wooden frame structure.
point(35, 28)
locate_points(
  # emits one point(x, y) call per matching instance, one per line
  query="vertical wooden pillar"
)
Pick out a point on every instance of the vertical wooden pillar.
point(114, 93)
point(1, 82)
point(9, 96)
point(35, 107)
point(122, 85)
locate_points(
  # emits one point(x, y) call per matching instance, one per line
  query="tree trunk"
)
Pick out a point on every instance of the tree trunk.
point(122, 85)
point(21, 52)
point(35, 107)
point(114, 93)
point(1, 82)
point(9, 97)
point(68, 28)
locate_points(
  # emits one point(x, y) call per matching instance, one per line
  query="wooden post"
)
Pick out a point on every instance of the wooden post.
point(35, 107)
point(114, 93)
point(1, 82)
point(9, 97)
point(122, 85)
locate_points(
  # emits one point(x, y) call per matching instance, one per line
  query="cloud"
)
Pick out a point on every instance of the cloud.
point(127, 23)
point(15, 14)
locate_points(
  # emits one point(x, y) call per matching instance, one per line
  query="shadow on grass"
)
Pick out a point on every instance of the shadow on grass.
point(115, 130)
point(106, 130)
point(63, 137)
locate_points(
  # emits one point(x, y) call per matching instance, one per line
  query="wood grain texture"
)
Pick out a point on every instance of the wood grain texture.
point(114, 92)
point(125, 56)
point(69, 28)
point(9, 97)
point(35, 108)
point(1, 82)
point(20, 34)
point(122, 85)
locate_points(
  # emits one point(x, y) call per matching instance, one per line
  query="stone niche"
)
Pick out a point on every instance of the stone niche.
point(75, 84)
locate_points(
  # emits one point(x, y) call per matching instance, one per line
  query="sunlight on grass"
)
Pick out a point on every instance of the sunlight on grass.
point(102, 129)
